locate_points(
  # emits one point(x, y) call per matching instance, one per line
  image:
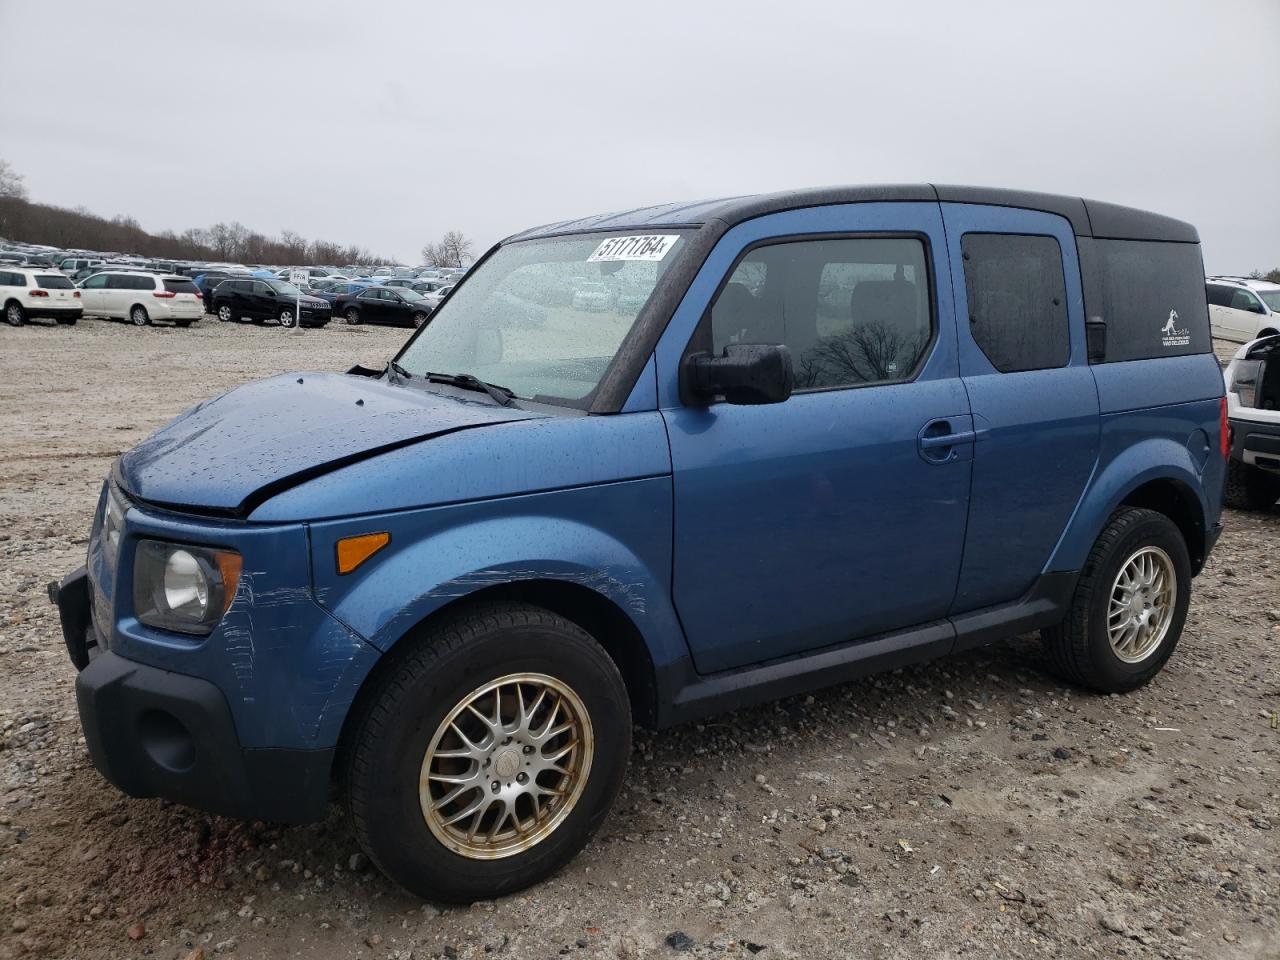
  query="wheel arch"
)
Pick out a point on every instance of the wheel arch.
point(1159, 474)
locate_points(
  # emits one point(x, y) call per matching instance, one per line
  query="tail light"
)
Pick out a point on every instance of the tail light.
point(38, 293)
point(164, 295)
point(1224, 429)
point(76, 294)
point(199, 295)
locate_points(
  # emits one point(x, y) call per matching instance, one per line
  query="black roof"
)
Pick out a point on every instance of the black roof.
point(1088, 218)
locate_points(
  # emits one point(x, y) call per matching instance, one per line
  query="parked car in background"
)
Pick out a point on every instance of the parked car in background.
point(329, 291)
point(1253, 411)
point(381, 304)
point(435, 297)
point(592, 295)
point(457, 610)
point(1243, 309)
point(142, 298)
point(26, 294)
point(260, 300)
point(207, 282)
point(74, 265)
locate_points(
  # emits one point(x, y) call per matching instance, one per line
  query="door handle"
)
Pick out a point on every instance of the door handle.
point(933, 441)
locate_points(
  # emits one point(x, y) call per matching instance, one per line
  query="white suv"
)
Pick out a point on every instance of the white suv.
point(1253, 415)
point(142, 298)
point(28, 293)
point(1243, 309)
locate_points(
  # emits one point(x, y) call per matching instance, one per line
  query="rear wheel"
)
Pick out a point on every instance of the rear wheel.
point(1250, 488)
point(14, 315)
point(485, 757)
point(1129, 605)
point(138, 316)
point(419, 319)
point(352, 316)
point(286, 318)
point(224, 314)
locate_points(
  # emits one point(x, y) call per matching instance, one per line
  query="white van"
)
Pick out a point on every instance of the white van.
point(1243, 309)
point(27, 293)
point(142, 298)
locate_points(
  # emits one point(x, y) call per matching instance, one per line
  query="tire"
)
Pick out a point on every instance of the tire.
point(286, 318)
point(14, 315)
point(352, 316)
point(1250, 488)
point(406, 711)
point(419, 319)
point(138, 315)
point(225, 314)
point(1080, 649)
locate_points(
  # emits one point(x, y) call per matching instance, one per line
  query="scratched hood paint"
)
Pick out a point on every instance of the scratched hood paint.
point(230, 452)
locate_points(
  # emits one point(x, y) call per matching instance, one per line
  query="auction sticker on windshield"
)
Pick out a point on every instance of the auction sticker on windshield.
point(644, 247)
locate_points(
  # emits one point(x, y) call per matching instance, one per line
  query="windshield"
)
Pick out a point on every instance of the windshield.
point(1271, 298)
point(288, 289)
point(520, 320)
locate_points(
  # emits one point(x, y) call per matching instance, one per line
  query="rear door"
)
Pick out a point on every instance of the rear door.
point(116, 294)
point(1020, 312)
point(837, 515)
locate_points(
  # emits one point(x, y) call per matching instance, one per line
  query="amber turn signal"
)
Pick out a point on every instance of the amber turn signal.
point(353, 551)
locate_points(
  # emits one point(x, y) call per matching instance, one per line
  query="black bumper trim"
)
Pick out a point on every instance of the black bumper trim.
point(71, 597)
point(153, 733)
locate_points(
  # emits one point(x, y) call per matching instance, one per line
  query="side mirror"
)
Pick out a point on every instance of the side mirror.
point(748, 373)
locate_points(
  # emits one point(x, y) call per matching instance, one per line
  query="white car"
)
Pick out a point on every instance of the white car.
point(592, 296)
point(142, 298)
point(1253, 415)
point(433, 297)
point(73, 265)
point(1243, 309)
point(26, 293)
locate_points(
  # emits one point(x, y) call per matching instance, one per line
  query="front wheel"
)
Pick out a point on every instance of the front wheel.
point(486, 755)
point(1129, 605)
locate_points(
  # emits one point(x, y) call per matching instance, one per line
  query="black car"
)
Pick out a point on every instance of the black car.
point(393, 305)
point(261, 300)
point(207, 282)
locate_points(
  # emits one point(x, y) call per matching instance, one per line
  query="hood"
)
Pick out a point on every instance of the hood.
point(230, 453)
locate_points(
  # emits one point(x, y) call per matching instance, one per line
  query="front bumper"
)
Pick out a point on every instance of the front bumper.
point(156, 733)
point(1256, 443)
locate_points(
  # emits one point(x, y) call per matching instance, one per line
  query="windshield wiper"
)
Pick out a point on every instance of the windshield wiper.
point(499, 393)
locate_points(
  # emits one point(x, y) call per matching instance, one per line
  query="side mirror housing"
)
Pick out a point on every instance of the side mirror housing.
point(748, 373)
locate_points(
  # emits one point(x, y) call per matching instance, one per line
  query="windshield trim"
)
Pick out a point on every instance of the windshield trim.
point(623, 370)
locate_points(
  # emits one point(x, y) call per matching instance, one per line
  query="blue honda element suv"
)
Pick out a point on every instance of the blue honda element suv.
point(639, 468)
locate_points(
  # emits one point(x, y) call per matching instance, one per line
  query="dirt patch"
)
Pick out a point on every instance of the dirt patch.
point(970, 807)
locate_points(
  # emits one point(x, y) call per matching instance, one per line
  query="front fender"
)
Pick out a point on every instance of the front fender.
point(1158, 458)
point(614, 539)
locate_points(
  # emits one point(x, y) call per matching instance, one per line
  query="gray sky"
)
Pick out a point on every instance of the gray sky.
point(387, 123)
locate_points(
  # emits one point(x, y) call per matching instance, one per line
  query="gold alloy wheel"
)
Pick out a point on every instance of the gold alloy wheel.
point(1141, 605)
point(506, 766)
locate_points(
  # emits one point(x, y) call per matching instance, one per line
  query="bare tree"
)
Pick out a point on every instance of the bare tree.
point(451, 250)
point(11, 182)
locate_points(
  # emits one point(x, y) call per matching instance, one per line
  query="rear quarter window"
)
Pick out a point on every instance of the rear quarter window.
point(1152, 296)
point(180, 286)
point(54, 282)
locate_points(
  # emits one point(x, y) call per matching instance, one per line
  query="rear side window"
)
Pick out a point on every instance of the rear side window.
point(1219, 295)
point(1017, 297)
point(180, 286)
point(8, 279)
point(1152, 298)
point(54, 282)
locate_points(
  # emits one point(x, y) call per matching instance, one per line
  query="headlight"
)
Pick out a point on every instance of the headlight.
point(182, 588)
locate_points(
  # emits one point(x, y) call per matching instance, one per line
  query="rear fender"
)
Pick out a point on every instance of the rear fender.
point(1155, 459)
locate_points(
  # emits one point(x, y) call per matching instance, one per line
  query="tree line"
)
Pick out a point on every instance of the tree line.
point(41, 223)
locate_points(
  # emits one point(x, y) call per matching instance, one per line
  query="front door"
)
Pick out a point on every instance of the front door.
point(93, 293)
point(838, 514)
point(1025, 367)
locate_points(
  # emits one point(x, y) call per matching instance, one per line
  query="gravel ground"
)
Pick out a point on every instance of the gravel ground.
point(970, 807)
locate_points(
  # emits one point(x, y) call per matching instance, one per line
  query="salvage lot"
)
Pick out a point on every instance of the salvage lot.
point(973, 806)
